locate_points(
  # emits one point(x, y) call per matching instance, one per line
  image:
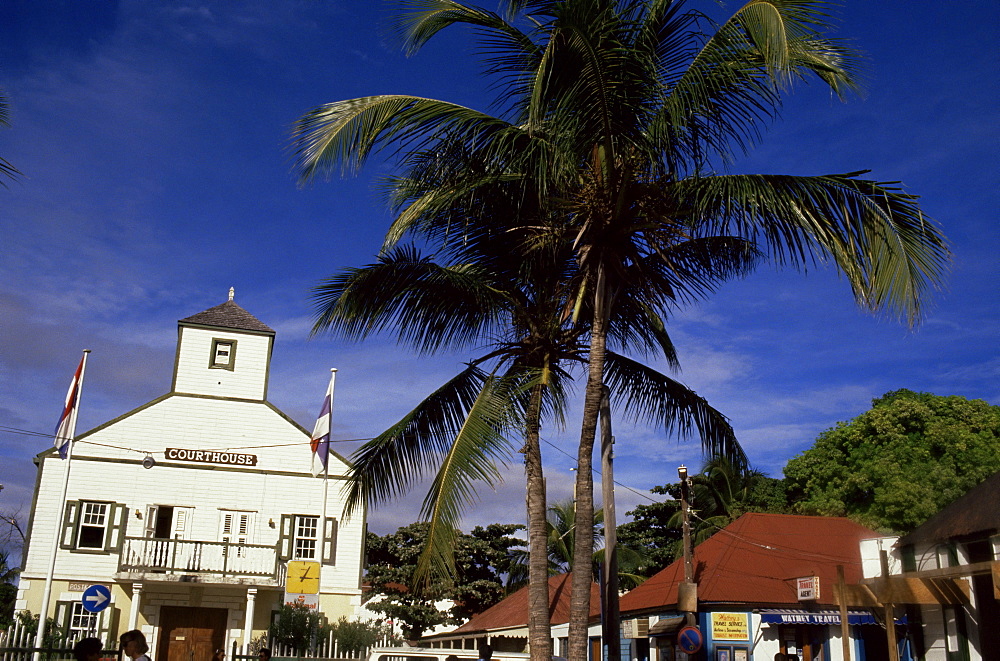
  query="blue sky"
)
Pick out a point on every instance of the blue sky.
point(152, 137)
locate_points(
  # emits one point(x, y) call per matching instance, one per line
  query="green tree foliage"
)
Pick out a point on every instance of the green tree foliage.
point(484, 560)
point(719, 495)
point(651, 530)
point(897, 464)
point(298, 627)
point(354, 637)
point(562, 541)
point(8, 592)
point(55, 634)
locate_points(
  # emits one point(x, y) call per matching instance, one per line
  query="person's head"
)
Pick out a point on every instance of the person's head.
point(264, 654)
point(88, 649)
point(133, 643)
point(220, 654)
point(779, 656)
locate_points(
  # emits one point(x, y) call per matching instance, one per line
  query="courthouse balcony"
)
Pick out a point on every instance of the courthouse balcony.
point(194, 561)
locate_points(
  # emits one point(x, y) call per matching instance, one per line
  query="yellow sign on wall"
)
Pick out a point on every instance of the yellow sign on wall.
point(730, 626)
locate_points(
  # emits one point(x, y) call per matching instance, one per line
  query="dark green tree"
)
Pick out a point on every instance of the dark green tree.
point(719, 495)
point(651, 529)
point(298, 627)
point(8, 591)
point(897, 464)
point(483, 561)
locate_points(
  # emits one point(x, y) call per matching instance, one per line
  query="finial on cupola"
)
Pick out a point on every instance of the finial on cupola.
point(232, 293)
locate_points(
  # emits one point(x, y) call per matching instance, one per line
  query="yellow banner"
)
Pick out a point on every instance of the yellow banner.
point(730, 626)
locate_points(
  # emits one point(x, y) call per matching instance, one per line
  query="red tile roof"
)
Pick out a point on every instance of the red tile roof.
point(755, 559)
point(513, 611)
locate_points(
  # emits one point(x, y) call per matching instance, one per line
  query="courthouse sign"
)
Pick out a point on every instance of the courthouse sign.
point(211, 457)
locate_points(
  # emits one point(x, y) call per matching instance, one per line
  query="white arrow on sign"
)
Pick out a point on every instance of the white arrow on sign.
point(97, 599)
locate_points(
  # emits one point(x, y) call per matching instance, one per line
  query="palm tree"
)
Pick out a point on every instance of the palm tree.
point(6, 168)
point(719, 495)
point(430, 306)
point(562, 542)
point(619, 113)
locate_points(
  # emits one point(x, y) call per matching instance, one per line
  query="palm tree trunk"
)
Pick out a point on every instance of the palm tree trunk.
point(583, 550)
point(539, 626)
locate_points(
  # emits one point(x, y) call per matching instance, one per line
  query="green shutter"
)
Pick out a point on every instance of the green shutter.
point(330, 541)
point(63, 611)
point(68, 539)
point(285, 541)
point(117, 521)
point(107, 624)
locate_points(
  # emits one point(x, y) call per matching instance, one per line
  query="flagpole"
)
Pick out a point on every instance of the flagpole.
point(47, 592)
point(326, 470)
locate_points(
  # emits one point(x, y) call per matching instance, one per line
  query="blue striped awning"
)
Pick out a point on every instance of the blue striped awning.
point(797, 616)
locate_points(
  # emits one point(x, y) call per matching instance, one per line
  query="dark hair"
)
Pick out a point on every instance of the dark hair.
point(138, 637)
point(85, 647)
point(266, 651)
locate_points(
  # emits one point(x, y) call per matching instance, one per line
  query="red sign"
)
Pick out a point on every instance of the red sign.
point(807, 588)
point(690, 640)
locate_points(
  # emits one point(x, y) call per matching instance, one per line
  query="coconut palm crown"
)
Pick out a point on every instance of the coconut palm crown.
point(621, 113)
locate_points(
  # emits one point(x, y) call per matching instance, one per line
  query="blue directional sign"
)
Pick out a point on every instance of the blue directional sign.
point(96, 598)
point(690, 640)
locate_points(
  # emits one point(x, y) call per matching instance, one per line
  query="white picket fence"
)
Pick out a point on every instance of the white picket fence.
point(17, 643)
point(328, 649)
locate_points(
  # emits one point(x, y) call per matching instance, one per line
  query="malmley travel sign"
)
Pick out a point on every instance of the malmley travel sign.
point(211, 457)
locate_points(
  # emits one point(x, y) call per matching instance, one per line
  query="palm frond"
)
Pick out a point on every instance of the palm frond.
point(876, 234)
point(390, 464)
point(430, 306)
point(344, 133)
point(471, 460)
point(655, 397)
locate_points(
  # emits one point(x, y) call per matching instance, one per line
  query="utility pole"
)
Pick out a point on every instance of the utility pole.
point(687, 592)
point(682, 472)
point(611, 631)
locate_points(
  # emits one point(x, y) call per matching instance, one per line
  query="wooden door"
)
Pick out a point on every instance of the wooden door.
point(191, 634)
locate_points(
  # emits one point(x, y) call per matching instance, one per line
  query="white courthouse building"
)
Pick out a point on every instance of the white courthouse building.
point(196, 548)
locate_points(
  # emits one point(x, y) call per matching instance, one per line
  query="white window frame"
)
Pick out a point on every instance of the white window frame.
point(93, 515)
point(82, 623)
point(305, 537)
point(230, 361)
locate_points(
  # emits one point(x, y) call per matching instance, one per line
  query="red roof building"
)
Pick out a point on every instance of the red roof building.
point(748, 574)
point(505, 624)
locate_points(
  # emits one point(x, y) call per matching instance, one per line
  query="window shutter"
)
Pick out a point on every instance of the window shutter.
point(285, 541)
point(117, 522)
point(330, 541)
point(180, 522)
point(68, 539)
point(152, 511)
point(64, 610)
point(107, 624)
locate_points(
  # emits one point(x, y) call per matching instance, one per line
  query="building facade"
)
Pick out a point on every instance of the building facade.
point(766, 584)
point(945, 578)
point(197, 510)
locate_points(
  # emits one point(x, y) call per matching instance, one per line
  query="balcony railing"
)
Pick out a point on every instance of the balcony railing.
point(185, 557)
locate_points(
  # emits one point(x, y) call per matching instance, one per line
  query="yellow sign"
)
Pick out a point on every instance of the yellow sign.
point(730, 626)
point(303, 577)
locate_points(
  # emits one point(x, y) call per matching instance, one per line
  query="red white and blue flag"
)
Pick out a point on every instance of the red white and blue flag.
point(65, 430)
point(320, 442)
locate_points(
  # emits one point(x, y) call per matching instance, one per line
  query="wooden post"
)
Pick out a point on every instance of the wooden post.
point(612, 616)
point(890, 618)
point(845, 628)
